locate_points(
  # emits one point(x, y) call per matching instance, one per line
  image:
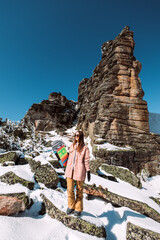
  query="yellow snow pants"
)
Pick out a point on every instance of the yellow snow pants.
point(75, 203)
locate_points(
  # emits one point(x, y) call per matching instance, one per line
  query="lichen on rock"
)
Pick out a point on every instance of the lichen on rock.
point(55, 163)
point(138, 233)
point(11, 178)
point(45, 174)
point(122, 173)
point(73, 222)
point(9, 157)
point(94, 168)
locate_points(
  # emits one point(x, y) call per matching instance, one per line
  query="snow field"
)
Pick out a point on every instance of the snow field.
point(29, 225)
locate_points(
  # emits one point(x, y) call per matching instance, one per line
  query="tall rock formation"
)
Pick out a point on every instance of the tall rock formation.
point(111, 102)
point(57, 113)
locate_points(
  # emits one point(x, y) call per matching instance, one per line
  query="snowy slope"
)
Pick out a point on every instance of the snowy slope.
point(29, 225)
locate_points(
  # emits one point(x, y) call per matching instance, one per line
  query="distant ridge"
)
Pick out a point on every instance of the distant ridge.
point(154, 122)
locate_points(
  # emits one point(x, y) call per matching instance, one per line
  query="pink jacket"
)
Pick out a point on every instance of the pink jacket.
point(81, 164)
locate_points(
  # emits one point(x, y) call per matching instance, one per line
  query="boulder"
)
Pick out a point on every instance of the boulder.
point(55, 163)
point(8, 157)
point(73, 222)
point(94, 168)
point(122, 173)
point(11, 178)
point(13, 203)
point(44, 174)
point(121, 201)
point(136, 232)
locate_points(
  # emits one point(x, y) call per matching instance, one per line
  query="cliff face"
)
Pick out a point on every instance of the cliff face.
point(57, 113)
point(111, 102)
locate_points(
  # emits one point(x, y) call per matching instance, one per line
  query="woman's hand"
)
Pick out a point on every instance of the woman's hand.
point(88, 176)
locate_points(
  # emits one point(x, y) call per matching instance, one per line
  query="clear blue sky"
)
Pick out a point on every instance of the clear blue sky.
point(51, 45)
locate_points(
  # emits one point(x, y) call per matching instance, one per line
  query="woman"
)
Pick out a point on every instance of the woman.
point(77, 166)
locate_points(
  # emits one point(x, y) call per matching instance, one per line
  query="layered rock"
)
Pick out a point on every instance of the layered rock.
point(56, 113)
point(112, 106)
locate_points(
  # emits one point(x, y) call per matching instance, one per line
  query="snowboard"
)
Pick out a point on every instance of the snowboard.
point(60, 151)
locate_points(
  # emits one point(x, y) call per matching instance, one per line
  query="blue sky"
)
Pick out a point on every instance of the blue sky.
point(50, 46)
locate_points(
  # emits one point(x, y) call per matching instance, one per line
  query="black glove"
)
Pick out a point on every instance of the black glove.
point(88, 176)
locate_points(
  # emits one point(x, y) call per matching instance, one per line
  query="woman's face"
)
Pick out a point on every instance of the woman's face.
point(77, 136)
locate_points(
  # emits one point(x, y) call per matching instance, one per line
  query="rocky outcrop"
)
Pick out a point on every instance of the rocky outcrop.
point(73, 222)
point(112, 99)
point(12, 134)
point(45, 174)
point(11, 178)
point(13, 203)
point(57, 113)
point(121, 201)
point(135, 232)
point(122, 173)
point(111, 103)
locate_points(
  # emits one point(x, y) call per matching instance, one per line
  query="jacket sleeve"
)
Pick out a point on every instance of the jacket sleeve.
point(86, 160)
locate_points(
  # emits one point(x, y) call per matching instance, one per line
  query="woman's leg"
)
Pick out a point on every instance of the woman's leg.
point(70, 191)
point(79, 196)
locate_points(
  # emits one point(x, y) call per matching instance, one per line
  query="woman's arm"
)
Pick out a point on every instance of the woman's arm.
point(86, 160)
